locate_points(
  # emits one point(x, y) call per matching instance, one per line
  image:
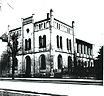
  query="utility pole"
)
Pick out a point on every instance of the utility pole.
point(74, 58)
point(51, 55)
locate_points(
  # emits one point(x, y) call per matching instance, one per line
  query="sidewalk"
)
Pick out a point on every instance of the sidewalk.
point(57, 80)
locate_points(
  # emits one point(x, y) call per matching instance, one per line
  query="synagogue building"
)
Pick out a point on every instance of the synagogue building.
point(48, 47)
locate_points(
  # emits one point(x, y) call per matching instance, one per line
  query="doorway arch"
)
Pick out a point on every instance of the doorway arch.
point(42, 62)
point(28, 66)
point(60, 63)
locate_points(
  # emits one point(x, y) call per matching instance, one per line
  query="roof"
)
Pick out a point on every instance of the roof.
point(62, 22)
point(42, 21)
point(15, 29)
point(83, 42)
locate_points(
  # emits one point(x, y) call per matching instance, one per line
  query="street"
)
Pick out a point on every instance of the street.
point(52, 89)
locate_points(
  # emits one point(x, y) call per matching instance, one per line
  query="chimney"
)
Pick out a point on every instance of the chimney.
point(73, 24)
point(47, 15)
point(51, 13)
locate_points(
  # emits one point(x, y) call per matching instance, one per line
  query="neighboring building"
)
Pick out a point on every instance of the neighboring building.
point(84, 53)
point(47, 47)
point(84, 58)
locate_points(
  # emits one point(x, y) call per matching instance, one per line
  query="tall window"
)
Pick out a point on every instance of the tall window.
point(28, 44)
point(25, 44)
point(68, 44)
point(29, 41)
point(59, 42)
point(42, 62)
point(42, 41)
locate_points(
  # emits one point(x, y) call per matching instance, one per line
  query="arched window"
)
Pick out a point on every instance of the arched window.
point(28, 65)
point(59, 62)
point(42, 62)
point(44, 41)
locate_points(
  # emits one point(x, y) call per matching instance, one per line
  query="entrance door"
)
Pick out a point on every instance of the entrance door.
point(28, 66)
point(59, 62)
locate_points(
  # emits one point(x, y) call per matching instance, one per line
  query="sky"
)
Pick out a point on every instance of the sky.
point(87, 14)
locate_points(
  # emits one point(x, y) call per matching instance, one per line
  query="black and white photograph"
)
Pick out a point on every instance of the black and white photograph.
point(51, 47)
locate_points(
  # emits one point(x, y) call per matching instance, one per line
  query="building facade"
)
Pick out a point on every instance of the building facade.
point(47, 47)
